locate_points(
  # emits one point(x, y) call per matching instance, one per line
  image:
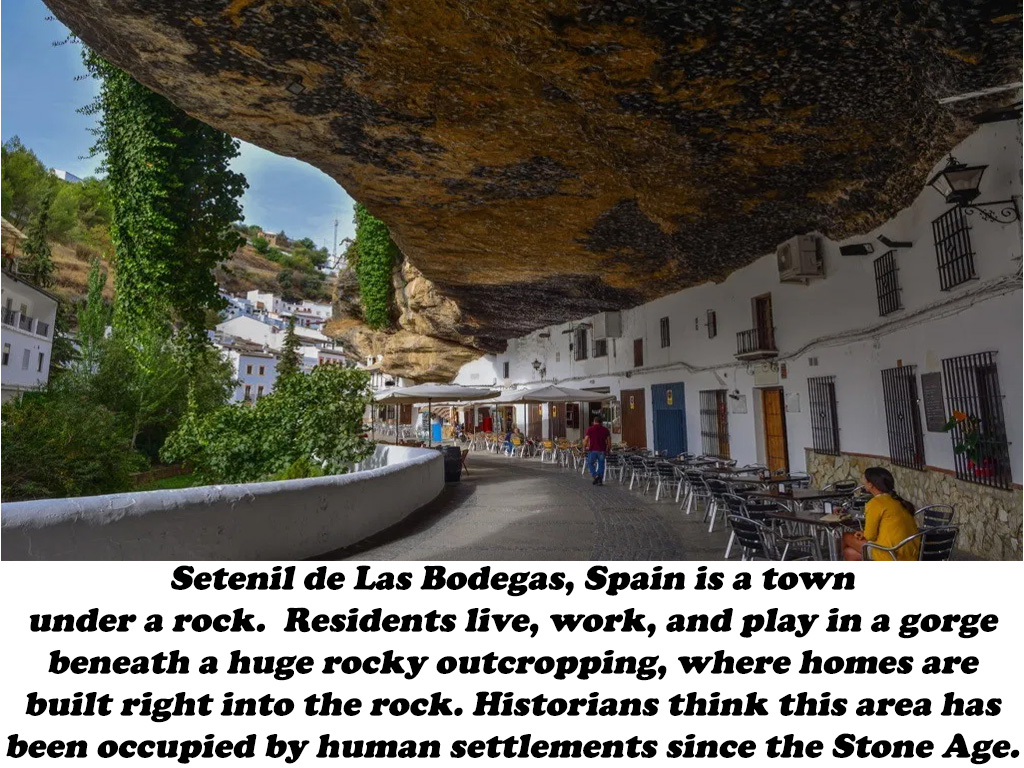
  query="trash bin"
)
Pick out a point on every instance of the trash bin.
point(435, 432)
point(452, 464)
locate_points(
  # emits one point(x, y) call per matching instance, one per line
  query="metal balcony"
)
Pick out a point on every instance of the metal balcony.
point(756, 344)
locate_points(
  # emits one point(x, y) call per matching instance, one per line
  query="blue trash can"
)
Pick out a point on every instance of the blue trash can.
point(435, 432)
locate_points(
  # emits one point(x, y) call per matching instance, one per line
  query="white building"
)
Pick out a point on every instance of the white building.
point(255, 370)
point(261, 300)
point(66, 176)
point(29, 315)
point(859, 367)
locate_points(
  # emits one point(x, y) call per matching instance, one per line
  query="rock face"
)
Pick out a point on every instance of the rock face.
point(539, 161)
point(421, 347)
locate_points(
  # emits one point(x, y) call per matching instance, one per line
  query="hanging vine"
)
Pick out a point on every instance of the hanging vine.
point(174, 199)
point(376, 258)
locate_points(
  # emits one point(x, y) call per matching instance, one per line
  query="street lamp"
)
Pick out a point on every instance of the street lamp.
point(959, 184)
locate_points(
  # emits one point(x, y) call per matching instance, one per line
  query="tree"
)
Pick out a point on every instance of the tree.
point(93, 318)
point(308, 425)
point(58, 443)
point(290, 362)
point(174, 199)
point(261, 244)
point(23, 180)
point(37, 260)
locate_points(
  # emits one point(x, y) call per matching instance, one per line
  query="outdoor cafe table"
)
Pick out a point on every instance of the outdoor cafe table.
point(760, 480)
point(835, 527)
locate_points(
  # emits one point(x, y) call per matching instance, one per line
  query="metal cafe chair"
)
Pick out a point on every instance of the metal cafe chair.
point(758, 540)
point(696, 491)
point(935, 515)
point(666, 477)
point(613, 465)
point(937, 543)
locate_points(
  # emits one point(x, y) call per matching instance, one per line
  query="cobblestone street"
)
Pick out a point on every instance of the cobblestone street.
point(514, 509)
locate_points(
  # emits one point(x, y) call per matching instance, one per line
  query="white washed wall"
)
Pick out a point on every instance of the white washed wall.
point(835, 320)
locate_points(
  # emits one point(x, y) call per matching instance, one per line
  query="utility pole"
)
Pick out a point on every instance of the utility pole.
point(334, 253)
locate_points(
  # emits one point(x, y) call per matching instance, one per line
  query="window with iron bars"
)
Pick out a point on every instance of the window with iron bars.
point(504, 370)
point(600, 347)
point(887, 284)
point(714, 423)
point(824, 417)
point(953, 248)
point(903, 417)
point(972, 390)
point(580, 347)
point(666, 338)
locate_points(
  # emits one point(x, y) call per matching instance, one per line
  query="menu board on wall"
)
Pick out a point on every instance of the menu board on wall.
point(934, 409)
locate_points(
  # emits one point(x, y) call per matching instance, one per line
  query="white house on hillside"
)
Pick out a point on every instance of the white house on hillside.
point(255, 371)
point(29, 314)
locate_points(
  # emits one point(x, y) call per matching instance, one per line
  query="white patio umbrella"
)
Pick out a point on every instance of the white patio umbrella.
point(552, 393)
point(431, 393)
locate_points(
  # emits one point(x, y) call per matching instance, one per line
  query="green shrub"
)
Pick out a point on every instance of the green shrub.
point(376, 260)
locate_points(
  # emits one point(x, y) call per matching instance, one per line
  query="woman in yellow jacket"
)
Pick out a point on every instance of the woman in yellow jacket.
point(888, 520)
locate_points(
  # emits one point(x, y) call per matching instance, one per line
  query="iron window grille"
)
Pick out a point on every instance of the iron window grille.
point(714, 426)
point(712, 323)
point(887, 283)
point(600, 347)
point(972, 388)
point(504, 370)
point(824, 417)
point(953, 248)
point(666, 338)
point(903, 417)
point(581, 344)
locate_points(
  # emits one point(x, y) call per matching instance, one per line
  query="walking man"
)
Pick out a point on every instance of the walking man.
point(597, 442)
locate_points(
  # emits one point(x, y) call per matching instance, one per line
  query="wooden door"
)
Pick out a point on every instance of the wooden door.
point(763, 321)
point(774, 416)
point(470, 420)
point(509, 417)
point(638, 353)
point(556, 421)
point(535, 421)
point(634, 418)
point(405, 414)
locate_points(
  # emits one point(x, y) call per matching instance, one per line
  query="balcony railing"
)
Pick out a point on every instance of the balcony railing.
point(42, 329)
point(755, 344)
point(25, 323)
point(10, 317)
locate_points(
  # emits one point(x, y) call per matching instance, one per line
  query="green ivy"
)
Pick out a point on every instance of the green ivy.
point(174, 200)
point(373, 268)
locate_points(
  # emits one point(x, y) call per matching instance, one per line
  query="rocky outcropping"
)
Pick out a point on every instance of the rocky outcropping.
point(540, 161)
point(423, 344)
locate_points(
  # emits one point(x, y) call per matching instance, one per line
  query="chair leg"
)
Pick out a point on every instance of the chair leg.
point(728, 547)
point(714, 514)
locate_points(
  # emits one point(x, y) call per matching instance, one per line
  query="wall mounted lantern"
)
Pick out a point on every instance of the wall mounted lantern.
point(536, 365)
point(960, 184)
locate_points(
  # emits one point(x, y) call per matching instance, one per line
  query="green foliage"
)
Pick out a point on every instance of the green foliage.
point(23, 181)
point(59, 443)
point(376, 259)
point(261, 244)
point(174, 200)
point(308, 425)
point(93, 318)
point(63, 353)
point(290, 363)
point(37, 260)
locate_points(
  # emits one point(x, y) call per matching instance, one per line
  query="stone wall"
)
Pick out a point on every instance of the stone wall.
point(989, 518)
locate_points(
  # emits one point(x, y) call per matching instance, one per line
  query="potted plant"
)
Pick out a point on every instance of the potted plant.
point(968, 443)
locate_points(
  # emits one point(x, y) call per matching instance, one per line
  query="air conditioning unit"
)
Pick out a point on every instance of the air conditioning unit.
point(799, 260)
point(608, 325)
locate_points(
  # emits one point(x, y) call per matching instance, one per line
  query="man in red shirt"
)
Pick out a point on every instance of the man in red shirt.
point(597, 442)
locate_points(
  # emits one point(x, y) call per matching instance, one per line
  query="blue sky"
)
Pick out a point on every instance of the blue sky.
point(39, 97)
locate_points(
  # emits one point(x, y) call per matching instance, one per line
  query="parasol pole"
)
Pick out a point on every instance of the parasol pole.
point(430, 424)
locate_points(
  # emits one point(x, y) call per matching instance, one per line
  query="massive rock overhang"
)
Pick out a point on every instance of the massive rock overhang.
point(541, 161)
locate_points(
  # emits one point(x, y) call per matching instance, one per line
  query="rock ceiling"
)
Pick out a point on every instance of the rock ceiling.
point(540, 161)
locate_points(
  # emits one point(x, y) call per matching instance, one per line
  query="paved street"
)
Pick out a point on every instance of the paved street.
point(511, 509)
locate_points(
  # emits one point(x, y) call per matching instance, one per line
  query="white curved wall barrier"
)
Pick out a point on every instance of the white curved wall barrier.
point(284, 520)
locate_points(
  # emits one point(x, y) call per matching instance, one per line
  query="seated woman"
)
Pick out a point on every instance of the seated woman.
point(888, 520)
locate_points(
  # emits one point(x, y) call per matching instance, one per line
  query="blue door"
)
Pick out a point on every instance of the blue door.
point(669, 406)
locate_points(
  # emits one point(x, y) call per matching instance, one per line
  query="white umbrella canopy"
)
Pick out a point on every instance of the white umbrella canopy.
point(433, 393)
point(555, 394)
